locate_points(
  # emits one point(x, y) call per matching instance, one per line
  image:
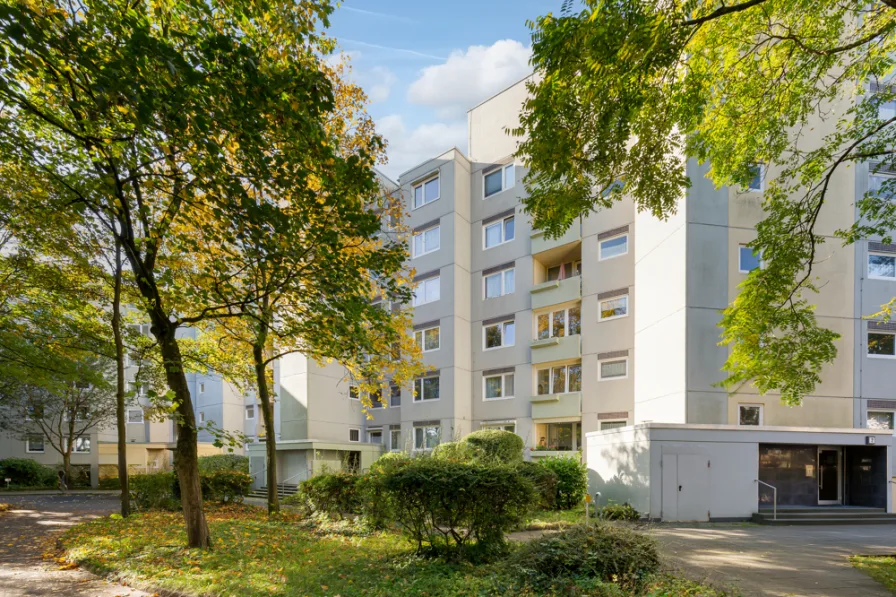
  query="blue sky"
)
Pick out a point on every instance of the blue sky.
point(423, 64)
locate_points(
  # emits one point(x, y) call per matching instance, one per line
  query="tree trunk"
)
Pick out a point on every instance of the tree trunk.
point(67, 469)
point(186, 458)
point(267, 410)
point(120, 415)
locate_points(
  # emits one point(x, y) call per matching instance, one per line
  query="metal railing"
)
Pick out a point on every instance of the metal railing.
point(774, 497)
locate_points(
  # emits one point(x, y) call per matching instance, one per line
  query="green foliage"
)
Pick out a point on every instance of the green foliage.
point(25, 472)
point(444, 506)
point(459, 451)
point(223, 462)
point(110, 483)
point(225, 486)
point(495, 445)
point(619, 512)
point(333, 494)
point(154, 491)
point(390, 461)
point(602, 552)
point(572, 479)
point(545, 481)
point(630, 90)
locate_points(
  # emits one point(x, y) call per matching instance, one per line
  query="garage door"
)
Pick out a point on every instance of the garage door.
point(685, 487)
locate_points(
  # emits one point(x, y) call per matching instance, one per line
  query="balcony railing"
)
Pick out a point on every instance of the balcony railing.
point(556, 349)
point(556, 292)
point(541, 244)
point(550, 406)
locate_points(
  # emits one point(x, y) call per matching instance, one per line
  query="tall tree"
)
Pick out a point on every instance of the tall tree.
point(629, 89)
point(150, 117)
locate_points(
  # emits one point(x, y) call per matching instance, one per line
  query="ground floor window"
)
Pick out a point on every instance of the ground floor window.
point(427, 438)
point(395, 440)
point(749, 414)
point(611, 424)
point(354, 435)
point(558, 436)
point(511, 426)
point(34, 444)
point(82, 444)
point(880, 420)
point(375, 436)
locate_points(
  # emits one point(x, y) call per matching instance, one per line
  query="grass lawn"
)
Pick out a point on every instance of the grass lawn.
point(555, 519)
point(880, 568)
point(255, 556)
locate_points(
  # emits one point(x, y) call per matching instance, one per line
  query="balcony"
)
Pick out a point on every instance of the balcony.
point(552, 406)
point(541, 244)
point(557, 439)
point(555, 292)
point(556, 349)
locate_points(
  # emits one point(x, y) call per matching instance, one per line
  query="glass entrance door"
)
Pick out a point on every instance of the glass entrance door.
point(829, 476)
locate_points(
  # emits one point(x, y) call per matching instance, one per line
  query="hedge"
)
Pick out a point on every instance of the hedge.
point(223, 462)
point(156, 491)
point(545, 482)
point(25, 472)
point(333, 494)
point(495, 445)
point(572, 480)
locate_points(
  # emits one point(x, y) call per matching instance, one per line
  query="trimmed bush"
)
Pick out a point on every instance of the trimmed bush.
point(495, 445)
point(446, 506)
point(389, 462)
point(25, 472)
point(154, 491)
point(619, 512)
point(223, 462)
point(572, 480)
point(225, 486)
point(333, 494)
point(602, 552)
point(545, 482)
point(110, 483)
point(454, 452)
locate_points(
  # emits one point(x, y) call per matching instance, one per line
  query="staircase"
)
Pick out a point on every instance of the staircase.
point(283, 490)
point(822, 515)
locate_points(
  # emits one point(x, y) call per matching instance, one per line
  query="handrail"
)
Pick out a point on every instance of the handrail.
point(774, 497)
point(291, 478)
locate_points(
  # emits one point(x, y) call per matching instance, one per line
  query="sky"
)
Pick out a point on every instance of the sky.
point(423, 64)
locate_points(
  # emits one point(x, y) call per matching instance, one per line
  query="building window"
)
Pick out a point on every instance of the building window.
point(499, 283)
point(34, 444)
point(881, 344)
point(394, 395)
point(557, 324)
point(613, 247)
point(426, 388)
point(395, 440)
point(201, 417)
point(748, 259)
point(427, 438)
point(250, 412)
point(757, 179)
point(426, 192)
point(497, 180)
point(880, 420)
point(882, 266)
point(498, 233)
point(354, 435)
point(570, 269)
point(749, 414)
point(428, 339)
point(498, 386)
point(202, 387)
point(427, 291)
point(135, 416)
point(612, 369)
point(354, 392)
point(511, 427)
point(426, 241)
point(376, 399)
point(558, 436)
point(613, 308)
point(499, 335)
point(604, 425)
point(375, 436)
point(881, 184)
point(82, 445)
point(559, 380)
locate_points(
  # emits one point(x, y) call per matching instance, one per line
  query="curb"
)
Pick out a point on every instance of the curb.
point(56, 492)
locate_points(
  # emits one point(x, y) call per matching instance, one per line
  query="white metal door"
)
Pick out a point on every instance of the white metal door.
point(670, 487)
point(685, 487)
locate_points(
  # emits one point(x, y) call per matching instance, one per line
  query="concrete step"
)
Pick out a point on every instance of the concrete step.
point(785, 514)
point(822, 510)
point(824, 521)
point(824, 515)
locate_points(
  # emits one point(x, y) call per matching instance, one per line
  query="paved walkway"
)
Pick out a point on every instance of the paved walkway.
point(29, 529)
point(779, 561)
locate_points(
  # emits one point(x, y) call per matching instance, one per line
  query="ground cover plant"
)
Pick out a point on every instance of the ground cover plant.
point(880, 568)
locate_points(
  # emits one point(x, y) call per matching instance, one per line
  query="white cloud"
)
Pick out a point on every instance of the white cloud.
point(377, 83)
point(408, 148)
point(470, 76)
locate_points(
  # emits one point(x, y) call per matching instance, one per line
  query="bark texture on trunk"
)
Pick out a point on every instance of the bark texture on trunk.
point(120, 415)
point(267, 410)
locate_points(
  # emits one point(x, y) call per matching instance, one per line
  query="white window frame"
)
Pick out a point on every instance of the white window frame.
point(551, 368)
point(202, 387)
point(503, 274)
point(600, 376)
point(201, 416)
point(254, 409)
point(134, 410)
point(762, 172)
point(75, 449)
point(882, 411)
point(422, 234)
point(424, 428)
point(393, 445)
point(868, 343)
point(600, 247)
point(504, 170)
point(503, 395)
point(761, 408)
point(880, 174)
point(357, 392)
point(498, 426)
point(354, 441)
point(503, 328)
point(421, 342)
point(422, 186)
point(740, 263)
point(550, 315)
point(418, 396)
point(28, 439)
point(600, 310)
point(613, 422)
point(421, 285)
point(502, 224)
point(880, 254)
point(399, 396)
point(370, 432)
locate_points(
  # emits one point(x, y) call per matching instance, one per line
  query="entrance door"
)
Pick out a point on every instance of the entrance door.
point(685, 487)
point(829, 475)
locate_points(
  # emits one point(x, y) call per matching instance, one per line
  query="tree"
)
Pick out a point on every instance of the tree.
point(62, 413)
point(629, 89)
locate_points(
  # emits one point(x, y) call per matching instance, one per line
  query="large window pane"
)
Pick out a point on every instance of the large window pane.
point(430, 388)
point(418, 244)
point(508, 229)
point(553, 273)
point(882, 266)
point(493, 182)
point(432, 437)
point(543, 324)
point(749, 260)
point(493, 336)
point(881, 344)
point(431, 190)
point(432, 239)
point(575, 378)
point(493, 286)
point(559, 324)
point(558, 380)
point(432, 290)
point(876, 185)
point(418, 196)
point(509, 176)
point(610, 369)
point(543, 384)
point(575, 321)
point(749, 415)
point(509, 281)
point(432, 339)
point(509, 334)
point(614, 247)
point(493, 387)
point(493, 235)
point(880, 420)
point(508, 384)
point(614, 307)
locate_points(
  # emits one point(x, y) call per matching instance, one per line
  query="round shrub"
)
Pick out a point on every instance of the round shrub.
point(496, 445)
point(27, 473)
point(603, 552)
point(223, 462)
point(545, 482)
point(619, 512)
point(454, 451)
point(154, 491)
point(572, 479)
point(334, 494)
